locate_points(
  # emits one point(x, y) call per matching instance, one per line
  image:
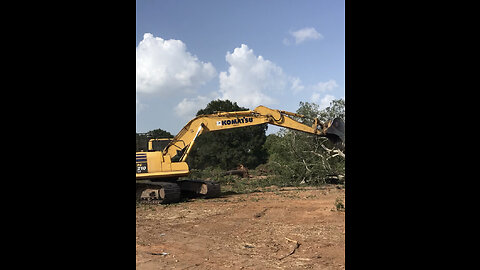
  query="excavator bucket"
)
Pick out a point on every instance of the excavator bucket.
point(336, 131)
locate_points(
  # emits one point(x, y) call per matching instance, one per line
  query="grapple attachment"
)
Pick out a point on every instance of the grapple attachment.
point(335, 131)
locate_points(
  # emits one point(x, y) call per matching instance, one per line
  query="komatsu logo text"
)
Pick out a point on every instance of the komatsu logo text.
point(235, 121)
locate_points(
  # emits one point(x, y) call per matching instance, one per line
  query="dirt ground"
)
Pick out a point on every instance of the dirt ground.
point(289, 228)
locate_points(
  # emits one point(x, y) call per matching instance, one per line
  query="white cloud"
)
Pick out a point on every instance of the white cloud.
point(165, 66)
point(319, 89)
point(251, 80)
point(325, 101)
point(325, 86)
point(304, 34)
point(322, 87)
point(188, 107)
point(297, 85)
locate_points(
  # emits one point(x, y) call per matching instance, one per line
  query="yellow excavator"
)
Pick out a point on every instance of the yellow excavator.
point(158, 171)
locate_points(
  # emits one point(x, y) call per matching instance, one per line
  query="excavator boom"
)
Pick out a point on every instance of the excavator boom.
point(183, 142)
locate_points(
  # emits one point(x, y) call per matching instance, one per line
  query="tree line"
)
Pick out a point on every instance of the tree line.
point(299, 156)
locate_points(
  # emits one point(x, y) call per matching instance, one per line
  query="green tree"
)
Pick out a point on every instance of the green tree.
point(159, 134)
point(312, 111)
point(143, 138)
point(226, 149)
point(303, 157)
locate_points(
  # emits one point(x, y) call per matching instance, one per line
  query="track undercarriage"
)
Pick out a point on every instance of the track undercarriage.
point(163, 192)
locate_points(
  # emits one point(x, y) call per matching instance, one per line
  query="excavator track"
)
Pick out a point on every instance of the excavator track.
point(200, 188)
point(158, 192)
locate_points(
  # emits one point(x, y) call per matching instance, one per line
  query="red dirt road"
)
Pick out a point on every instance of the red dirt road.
point(280, 229)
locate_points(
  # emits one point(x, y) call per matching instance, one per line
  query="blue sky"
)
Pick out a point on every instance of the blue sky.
point(264, 52)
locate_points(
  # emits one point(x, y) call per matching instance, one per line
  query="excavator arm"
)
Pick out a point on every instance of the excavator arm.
point(183, 142)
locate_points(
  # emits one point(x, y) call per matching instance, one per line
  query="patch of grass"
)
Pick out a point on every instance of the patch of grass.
point(233, 184)
point(257, 199)
point(339, 204)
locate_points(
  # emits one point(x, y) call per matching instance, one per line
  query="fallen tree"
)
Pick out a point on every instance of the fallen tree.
point(305, 158)
point(241, 171)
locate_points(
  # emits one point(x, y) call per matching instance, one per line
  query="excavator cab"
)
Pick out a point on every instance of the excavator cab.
point(335, 131)
point(158, 144)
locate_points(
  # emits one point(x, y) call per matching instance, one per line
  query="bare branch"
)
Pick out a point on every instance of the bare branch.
point(336, 151)
point(306, 166)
